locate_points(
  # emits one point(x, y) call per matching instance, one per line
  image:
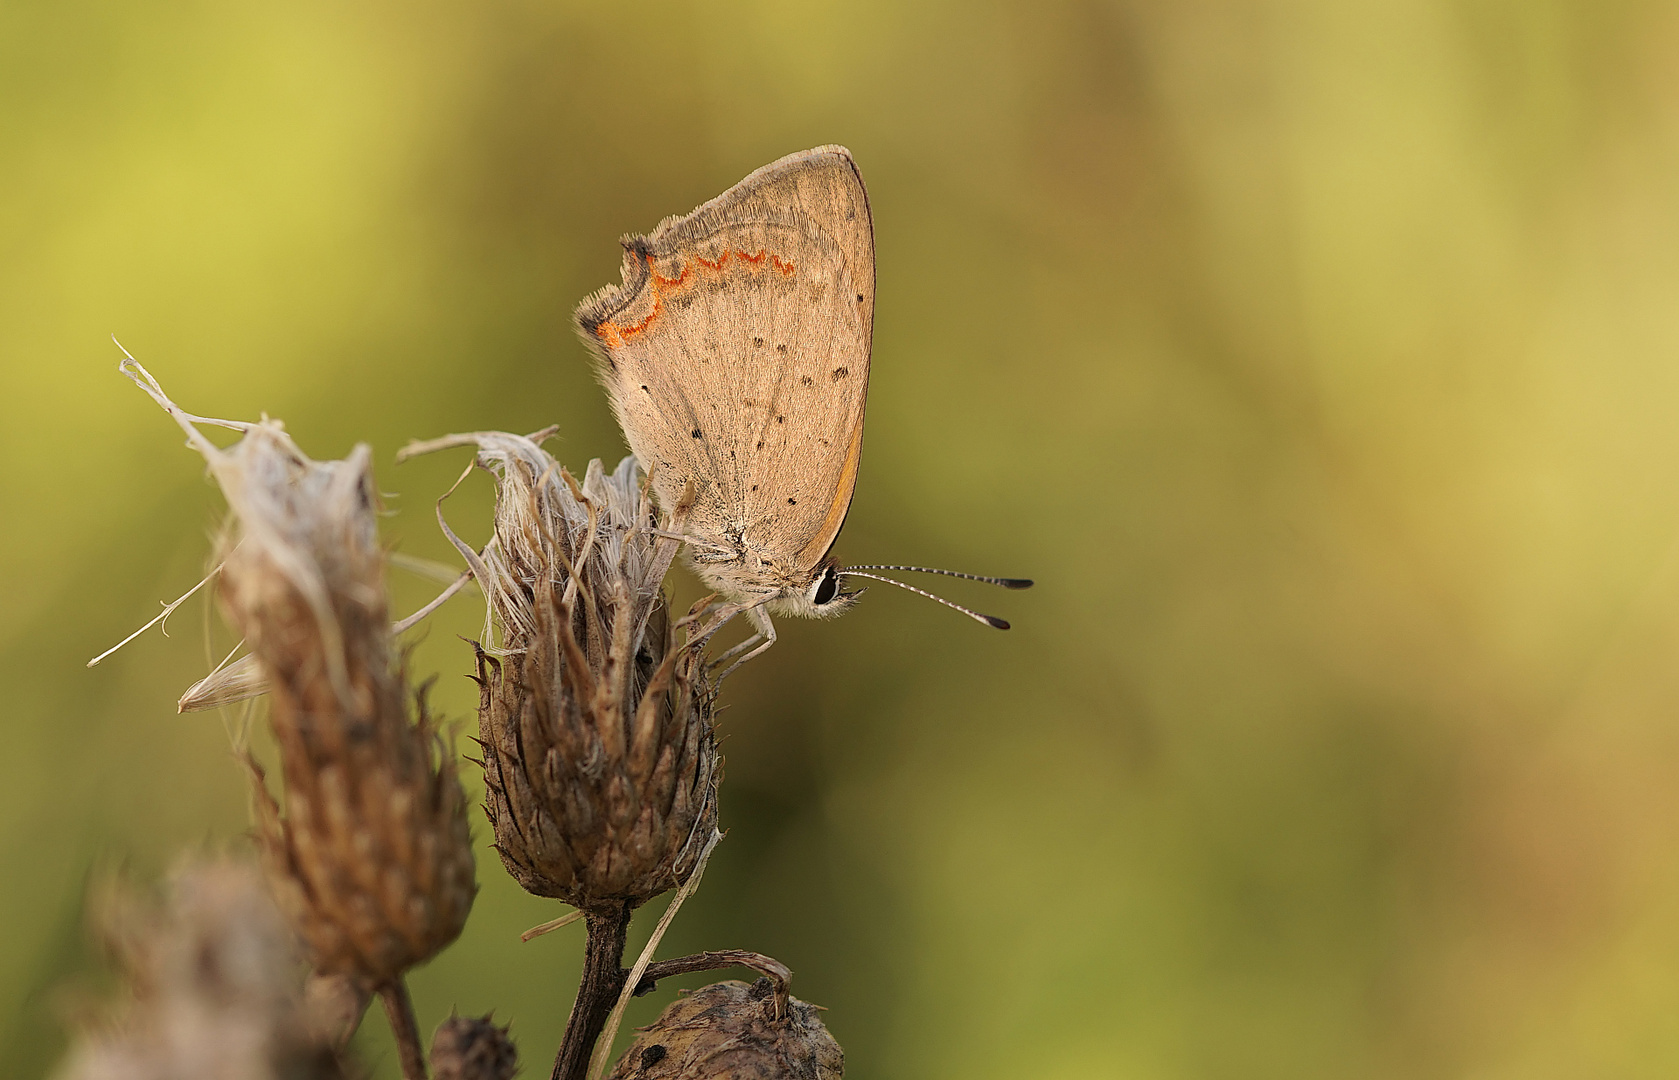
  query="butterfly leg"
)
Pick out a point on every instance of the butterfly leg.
point(719, 615)
point(714, 618)
point(752, 646)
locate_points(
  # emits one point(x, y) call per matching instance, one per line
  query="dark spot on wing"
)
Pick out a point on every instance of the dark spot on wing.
point(696, 433)
point(807, 380)
point(792, 502)
point(781, 419)
point(781, 348)
point(758, 341)
point(840, 373)
point(754, 487)
point(859, 298)
point(644, 387)
point(760, 445)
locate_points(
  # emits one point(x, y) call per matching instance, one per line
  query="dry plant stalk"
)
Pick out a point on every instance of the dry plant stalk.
point(216, 984)
point(732, 1031)
point(600, 761)
point(371, 856)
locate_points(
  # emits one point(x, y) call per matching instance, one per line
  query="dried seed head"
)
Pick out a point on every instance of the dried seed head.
point(371, 856)
point(472, 1048)
point(729, 1030)
point(217, 988)
point(600, 762)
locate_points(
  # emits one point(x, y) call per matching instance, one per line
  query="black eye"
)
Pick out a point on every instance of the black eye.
point(828, 588)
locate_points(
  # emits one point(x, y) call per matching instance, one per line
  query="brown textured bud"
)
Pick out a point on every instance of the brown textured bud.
point(730, 1031)
point(472, 1048)
point(216, 984)
point(371, 856)
point(600, 763)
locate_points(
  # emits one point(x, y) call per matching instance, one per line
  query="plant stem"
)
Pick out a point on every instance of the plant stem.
point(399, 1007)
point(603, 980)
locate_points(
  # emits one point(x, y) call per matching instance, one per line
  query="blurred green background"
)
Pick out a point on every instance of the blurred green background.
point(1318, 359)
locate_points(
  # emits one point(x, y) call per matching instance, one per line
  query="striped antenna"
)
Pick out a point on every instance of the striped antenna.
point(1005, 582)
point(988, 620)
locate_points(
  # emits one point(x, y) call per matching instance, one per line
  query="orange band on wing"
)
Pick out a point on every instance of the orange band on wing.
point(614, 335)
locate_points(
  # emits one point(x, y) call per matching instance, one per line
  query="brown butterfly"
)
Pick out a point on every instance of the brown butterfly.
point(736, 356)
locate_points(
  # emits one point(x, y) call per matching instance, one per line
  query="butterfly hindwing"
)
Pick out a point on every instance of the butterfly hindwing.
point(736, 354)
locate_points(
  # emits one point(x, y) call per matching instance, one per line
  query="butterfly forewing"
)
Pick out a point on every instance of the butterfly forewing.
point(736, 353)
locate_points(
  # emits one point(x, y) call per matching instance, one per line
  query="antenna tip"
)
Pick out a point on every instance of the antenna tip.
point(993, 621)
point(1015, 582)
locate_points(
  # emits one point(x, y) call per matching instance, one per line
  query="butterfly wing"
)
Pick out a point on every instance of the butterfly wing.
point(736, 355)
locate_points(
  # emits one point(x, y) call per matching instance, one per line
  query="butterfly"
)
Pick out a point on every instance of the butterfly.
point(735, 353)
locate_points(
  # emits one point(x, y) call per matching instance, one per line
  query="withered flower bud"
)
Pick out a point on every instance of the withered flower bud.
point(472, 1048)
point(730, 1031)
point(600, 761)
point(371, 856)
point(217, 990)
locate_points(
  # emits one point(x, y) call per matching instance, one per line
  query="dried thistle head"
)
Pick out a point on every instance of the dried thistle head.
point(472, 1048)
point(216, 985)
point(600, 762)
point(370, 857)
point(730, 1029)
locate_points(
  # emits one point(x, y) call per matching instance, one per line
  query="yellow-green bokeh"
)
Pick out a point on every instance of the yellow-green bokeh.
point(1320, 359)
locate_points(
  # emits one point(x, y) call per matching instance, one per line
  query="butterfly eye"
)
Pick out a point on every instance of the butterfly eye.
point(827, 588)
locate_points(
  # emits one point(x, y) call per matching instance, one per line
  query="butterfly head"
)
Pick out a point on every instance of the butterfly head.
point(822, 598)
